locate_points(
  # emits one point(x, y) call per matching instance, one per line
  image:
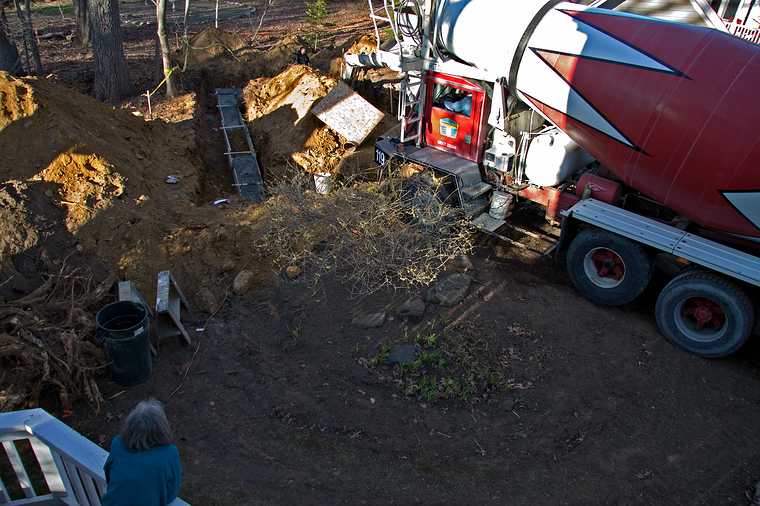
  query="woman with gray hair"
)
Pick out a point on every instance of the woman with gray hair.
point(143, 468)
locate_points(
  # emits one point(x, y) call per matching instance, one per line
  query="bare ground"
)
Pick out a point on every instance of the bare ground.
point(275, 402)
point(279, 406)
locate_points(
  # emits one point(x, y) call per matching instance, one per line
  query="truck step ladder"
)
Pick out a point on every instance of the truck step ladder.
point(244, 164)
point(414, 59)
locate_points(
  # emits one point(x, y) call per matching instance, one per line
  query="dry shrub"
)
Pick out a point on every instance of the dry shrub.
point(46, 342)
point(373, 236)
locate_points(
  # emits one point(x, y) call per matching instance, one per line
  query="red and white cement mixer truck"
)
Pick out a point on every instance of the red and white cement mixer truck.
point(638, 136)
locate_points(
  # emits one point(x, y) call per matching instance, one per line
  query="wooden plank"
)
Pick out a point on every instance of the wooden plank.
point(40, 500)
point(72, 445)
point(19, 469)
point(92, 488)
point(346, 112)
point(76, 481)
point(56, 481)
point(4, 497)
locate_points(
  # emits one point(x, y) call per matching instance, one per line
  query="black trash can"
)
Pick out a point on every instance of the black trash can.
point(124, 329)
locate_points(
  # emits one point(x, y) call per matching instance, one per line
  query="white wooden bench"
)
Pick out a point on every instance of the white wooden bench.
point(71, 465)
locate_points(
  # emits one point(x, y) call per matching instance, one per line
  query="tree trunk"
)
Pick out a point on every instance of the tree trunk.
point(111, 74)
point(9, 60)
point(3, 17)
point(165, 58)
point(82, 22)
point(185, 40)
point(30, 41)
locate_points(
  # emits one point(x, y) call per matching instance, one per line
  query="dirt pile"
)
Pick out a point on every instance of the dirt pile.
point(366, 44)
point(284, 130)
point(209, 44)
point(173, 110)
point(230, 61)
point(289, 137)
point(223, 59)
point(84, 202)
point(16, 100)
point(87, 184)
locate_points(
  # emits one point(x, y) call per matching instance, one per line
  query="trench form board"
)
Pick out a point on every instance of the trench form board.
point(244, 164)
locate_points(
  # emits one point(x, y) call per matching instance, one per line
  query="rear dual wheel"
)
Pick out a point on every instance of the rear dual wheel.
point(704, 313)
point(608, 269)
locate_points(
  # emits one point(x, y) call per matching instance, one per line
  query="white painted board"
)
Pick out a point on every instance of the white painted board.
point(346, 112)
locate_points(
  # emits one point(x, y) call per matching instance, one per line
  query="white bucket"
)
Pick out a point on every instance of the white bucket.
point(500, 203)
point(323, 182)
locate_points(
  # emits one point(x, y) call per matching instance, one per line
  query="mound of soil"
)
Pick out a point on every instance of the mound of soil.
point(238, 63)
point(16, 100)
point(210, 43)
point(284, 130)
point(84, 202)
point(174, 110)
point(289, 137)
point(366, 44)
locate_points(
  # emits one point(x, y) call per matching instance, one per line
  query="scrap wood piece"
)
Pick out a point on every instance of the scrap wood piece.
point(127, 291)
point(169, 303)
point(346, 112)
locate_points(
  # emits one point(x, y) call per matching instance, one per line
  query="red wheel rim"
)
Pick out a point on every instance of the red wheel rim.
point(703, 314)
point(608, 264)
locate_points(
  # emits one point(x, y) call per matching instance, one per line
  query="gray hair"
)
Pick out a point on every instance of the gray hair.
point(146, 427)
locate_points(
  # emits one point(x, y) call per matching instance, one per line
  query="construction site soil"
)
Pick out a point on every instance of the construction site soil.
point(283, 398)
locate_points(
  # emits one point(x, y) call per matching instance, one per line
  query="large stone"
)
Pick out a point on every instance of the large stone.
point(206, 301)
point(293, 271)
point(369, 321)
point(450, 290)
point(756, 496)
point(403, 354)
point(242, 282)
point(412, 308)
point(464, 263)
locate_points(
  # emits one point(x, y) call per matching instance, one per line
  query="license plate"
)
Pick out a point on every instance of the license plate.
point(380, 157)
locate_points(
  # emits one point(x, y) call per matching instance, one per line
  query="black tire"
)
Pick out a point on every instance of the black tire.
point(715, 341)
point(616, 288)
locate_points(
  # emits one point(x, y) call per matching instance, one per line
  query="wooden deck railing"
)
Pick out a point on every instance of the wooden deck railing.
point(70, 465)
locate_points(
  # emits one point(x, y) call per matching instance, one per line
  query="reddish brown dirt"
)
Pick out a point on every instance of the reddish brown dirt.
point(278, 405)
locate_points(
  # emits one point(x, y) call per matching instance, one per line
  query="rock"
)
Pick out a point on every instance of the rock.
point(500, 251)
point(412, 308)
point(205, 300)
point(450, 290)
point(242, 283)
point(756, 497)
point(464, 263)
point(293, 271)
point(369, 321)
point(228, 265)
point(403, 354)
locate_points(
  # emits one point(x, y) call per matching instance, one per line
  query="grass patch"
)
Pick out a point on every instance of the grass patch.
point(459, 367)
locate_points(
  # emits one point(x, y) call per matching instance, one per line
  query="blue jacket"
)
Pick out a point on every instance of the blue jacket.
point(149, 478)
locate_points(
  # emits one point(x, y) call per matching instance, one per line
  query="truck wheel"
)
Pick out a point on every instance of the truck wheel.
point(606, 268)
point(705, 314)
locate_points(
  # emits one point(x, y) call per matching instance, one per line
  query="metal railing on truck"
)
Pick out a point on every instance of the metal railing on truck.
point(744, 32)
point(71, 465)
